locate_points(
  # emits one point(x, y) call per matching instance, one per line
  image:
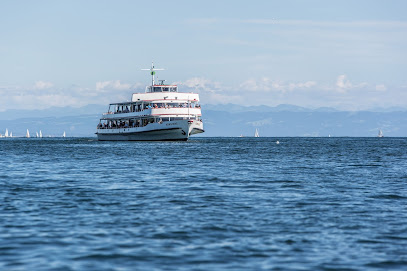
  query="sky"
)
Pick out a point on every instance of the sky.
point(349, 55)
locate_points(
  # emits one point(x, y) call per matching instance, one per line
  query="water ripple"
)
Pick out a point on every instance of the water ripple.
point(205, 204)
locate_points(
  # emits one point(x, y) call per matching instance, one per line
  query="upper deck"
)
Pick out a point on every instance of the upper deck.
point(165, 97)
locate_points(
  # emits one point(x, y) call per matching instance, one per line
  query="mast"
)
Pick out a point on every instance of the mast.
point(152, 72)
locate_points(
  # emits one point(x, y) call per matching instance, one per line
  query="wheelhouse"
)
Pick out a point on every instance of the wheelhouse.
point(161, 88)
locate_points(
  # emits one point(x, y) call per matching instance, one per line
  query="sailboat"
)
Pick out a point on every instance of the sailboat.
point(28, 134)
point(380, 133)
point(11, 134)
point(256, 133)
point(37, 134)
point(64, 135)
point(6, 133)
point(40, 134)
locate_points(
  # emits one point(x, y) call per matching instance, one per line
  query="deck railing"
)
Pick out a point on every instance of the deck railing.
point(150, 107)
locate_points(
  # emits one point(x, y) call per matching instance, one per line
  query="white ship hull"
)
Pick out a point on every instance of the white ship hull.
point(161, 113)
point(166, 131)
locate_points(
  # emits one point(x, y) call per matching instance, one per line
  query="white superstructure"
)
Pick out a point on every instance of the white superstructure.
point(161, 113)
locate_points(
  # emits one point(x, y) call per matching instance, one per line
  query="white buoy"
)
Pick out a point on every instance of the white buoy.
point(277, 142)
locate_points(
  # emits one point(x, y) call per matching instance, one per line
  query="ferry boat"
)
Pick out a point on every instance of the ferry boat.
point(161, 113)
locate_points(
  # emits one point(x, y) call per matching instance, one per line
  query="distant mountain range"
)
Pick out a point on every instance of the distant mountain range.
point(224, 120)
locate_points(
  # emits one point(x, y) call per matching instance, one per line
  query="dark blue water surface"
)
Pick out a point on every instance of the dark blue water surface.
point(205, 204)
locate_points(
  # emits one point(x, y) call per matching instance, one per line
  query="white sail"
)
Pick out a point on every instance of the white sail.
point(40, 134)
point(28, 134)
point(64, 135)
point(380, 133)
point(256, 134)
point(6, 133)
point(11, 134)
point(37, 134)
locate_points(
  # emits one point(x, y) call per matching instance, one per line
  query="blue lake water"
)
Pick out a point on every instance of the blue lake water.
point(205, 204)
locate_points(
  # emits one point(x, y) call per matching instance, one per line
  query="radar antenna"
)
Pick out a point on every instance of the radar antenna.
point(152, 72)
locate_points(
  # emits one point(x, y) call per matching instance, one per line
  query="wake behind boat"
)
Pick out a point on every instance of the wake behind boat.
point(161, 113)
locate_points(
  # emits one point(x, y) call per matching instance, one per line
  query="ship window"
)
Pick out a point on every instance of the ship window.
point(165, 89)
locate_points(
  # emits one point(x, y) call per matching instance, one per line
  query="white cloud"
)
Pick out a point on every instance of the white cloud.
point(210, 91)
point(107, 85)
point(44, 101)
point(255, 85)
point(304, 85)
point(381, 87)
point(44, 95)
point(342, 83)
point(266, 84)
point(43, 85)
point(199, 83)
point(249, 92)
point(340, 93)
